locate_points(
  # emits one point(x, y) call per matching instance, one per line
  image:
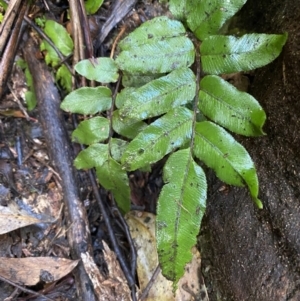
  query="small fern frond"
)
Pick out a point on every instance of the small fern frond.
point(153, 112)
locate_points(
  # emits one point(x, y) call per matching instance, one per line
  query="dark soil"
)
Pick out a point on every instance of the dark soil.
point(247, 253)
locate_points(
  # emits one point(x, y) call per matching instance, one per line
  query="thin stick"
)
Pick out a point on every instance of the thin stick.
point(116, 248)
point(18, 102)
point(13, 10)
point(150, 283)
point(26, 290)
point(49, 41)
point(8, 48)
point(116, 41)
point(132, 249)
point(129, 238)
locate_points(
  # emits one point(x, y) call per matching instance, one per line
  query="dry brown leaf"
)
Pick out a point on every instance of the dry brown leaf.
point(190, 287)
point(31, 270)
point(142, 228)
point(11, 219)
point(112, 288)
point(14, 113)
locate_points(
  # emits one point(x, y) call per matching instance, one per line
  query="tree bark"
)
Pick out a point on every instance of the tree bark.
point(247, 253)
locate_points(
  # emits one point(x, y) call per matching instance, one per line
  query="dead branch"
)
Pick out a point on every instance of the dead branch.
point(10, 33)
point(62, 158)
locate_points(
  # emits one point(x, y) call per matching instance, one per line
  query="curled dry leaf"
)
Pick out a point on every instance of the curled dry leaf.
point(142, 228)
point(111, 288)
point(31, 270)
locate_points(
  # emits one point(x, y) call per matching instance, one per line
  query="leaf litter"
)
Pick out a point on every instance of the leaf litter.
point(190, 286)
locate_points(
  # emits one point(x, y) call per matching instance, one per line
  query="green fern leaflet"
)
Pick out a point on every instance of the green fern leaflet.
point(162, 113)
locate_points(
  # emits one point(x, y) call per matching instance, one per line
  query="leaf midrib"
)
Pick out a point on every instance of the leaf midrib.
point(229, 106)
point(222, 154)
point(163, 134)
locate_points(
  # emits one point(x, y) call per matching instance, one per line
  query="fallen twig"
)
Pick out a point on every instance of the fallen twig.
point(24, 289)
point(150, 283)
point(49, 41)
point(119, 11)
point(10, 33)
point(62, 157)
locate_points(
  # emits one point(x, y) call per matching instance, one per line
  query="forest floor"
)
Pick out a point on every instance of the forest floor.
point(246, 253)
